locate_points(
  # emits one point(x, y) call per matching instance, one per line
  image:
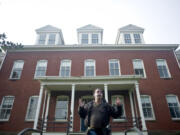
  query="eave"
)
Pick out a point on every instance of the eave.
point(103, 47)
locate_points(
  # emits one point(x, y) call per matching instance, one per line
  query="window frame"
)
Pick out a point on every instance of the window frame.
point(62, 120)
point(50, 39)
point(127, 39)
point(60, 74)
point(35, 74)
point(11, 107)
point(150, 101)
point(40, 40)
point(83, 39)
point(124, 110)
point(118, 67)
point(177, 103)
point(169, 74)
point(137, 38)
point(85, 74)
point(28, 107)
point(95, 39)
point(142, 62)
point(12, 71)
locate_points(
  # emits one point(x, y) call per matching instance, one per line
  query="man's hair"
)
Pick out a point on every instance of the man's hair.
point(97, 89)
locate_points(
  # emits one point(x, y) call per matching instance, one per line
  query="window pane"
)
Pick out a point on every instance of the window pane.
point(127, 38)
point(162, 68)
point(17, 69)
point(6, 107)
point(84, 39)
point(114, 67)
point(138, 67)
point(94, 38)
point(137, 38)
point(52, 38)
point(32, 107)
point(61, 108)
point(147, 107)
point(174, 107)
point(90, 68)
point(41, 68)
point(65, 68)
point(42, 38)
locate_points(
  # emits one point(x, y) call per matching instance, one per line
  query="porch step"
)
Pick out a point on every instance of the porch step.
point(77, 133)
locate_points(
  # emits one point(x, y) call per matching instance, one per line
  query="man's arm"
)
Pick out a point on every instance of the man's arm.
point(82, 109)
point(117, 110)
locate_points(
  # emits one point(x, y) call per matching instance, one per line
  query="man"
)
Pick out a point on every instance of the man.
point(97, 113)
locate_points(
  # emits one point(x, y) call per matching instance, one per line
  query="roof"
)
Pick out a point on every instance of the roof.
point(131, 27)
point(89, 27)
point(48, 28)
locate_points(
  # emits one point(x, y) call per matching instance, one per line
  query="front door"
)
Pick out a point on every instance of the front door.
point(86, 99)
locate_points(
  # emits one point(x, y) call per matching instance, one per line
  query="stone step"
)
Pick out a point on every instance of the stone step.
point(77, 133)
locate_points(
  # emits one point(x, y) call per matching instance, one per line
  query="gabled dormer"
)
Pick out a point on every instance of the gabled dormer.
point(130, 34)
point(49, 35)
point(90, 34)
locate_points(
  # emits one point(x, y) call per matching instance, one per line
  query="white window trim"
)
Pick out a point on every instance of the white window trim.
point(13, 70)
point(62, 120)
point(139, 38)
point(11, 108)
point(177, 102)
point(37, 67)
point(125, 38)
point(85, 67)
point(95, 38)
point(153, 118)
point(87, 38)
point(166, 67)
point(49, 38)
point(144, 71)
point(26, 119)
point(61, 67)
point(118, 65)
point(121, 119)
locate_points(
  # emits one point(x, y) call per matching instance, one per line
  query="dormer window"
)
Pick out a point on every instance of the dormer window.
point(42, 39)
point(94, 38)
point(52, 38)
point(127, 38)
point(137, 38)
point(84, 39)
point(49, 35)
point(90, 34)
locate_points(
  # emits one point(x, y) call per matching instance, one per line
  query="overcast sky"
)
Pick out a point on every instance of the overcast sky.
point(159, 18)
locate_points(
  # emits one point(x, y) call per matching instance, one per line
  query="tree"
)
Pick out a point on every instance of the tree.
point(4, 44)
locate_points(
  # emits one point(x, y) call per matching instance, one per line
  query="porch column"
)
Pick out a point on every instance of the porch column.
point(44, 103)
point(132, 107)
point(140, 106)
point(106, 92)
point(47, 109)
point(72, 107)
point(38, 107)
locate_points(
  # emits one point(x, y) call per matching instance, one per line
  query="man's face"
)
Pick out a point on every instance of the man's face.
point(98, 93)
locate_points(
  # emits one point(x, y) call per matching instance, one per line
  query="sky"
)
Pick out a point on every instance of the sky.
point(160, 18)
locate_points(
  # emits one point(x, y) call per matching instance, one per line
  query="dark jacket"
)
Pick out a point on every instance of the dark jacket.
point(106, 109)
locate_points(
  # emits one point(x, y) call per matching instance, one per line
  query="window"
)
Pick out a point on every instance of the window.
point(42, 39)
point(127, 38)
point(65, 69)
point(147, 107)
point(41, 68)
point(32, 107)
point(137, 38)
point(90, 68)
point(94, 38)
point(174, 106)
point(139, 67)
point(113, 101)
point(162, 68)
point(6, 107)
point(84, 39)
point(52, 38)
point(61, 112)
point(114, 68)
point(17, 69)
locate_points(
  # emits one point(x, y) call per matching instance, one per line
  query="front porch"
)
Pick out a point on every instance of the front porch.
point(81, 87)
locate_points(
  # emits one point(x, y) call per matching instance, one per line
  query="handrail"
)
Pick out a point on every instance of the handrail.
point(26, 130)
